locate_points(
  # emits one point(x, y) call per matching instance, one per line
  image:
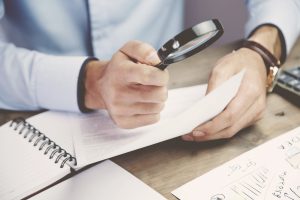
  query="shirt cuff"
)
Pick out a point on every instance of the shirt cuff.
point(80, 86)
point(56, 81)
point(282, 15)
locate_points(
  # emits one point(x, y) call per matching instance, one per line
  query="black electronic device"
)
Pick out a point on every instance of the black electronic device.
point(288, 85)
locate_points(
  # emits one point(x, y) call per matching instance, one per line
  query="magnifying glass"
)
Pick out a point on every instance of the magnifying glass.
point(189, 42)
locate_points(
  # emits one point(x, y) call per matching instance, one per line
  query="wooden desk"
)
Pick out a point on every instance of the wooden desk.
point(170, 164)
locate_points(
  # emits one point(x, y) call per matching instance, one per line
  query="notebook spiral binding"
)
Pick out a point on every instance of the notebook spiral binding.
point(44, 143)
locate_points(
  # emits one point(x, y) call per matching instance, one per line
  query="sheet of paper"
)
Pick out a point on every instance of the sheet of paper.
point(105, 181)
point(97, 138)
point(268, 172)
point(23, 168)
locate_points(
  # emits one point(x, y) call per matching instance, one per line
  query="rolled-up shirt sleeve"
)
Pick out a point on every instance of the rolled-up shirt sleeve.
point(284, 14)
point(1, 9)
point(30, 80)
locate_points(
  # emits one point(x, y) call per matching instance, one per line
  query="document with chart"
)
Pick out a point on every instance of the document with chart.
point(268, 172)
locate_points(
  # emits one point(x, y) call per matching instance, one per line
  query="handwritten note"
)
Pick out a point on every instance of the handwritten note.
point(268, 172)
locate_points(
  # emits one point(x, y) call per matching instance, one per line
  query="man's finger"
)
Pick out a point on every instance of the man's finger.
point(234, 111)
point(215, 81)
point(138, 108)
point(145, 75)
point(140, 94)
point(136, 120)
point(148, 94)
point(141, 52)
point(225, 69)
point(246, 120)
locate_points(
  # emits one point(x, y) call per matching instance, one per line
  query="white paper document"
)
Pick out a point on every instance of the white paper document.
point(105, 181)
point(268, 172)
point(96, 137)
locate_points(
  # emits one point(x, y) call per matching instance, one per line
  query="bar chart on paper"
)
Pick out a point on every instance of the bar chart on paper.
point(268, 172)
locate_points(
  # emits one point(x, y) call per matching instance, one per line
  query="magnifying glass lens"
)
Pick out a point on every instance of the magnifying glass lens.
point(193, 44)
point(189, 42)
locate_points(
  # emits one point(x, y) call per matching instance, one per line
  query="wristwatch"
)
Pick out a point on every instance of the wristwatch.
point(271, 62)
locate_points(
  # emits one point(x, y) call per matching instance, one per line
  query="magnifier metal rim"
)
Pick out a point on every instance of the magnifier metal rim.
point(188, 35)
point(184, 50)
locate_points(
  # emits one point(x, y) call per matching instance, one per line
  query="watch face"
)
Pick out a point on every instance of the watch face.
point(272, 78)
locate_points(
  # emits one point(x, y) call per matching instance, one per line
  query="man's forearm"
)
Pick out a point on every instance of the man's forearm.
point(268, 36)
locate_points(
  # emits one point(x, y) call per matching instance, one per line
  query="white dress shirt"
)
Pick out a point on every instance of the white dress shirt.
point(284, 14)
point(43, 44)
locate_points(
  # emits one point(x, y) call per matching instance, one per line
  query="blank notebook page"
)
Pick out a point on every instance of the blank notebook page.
point(105, 181)
point(24, 169)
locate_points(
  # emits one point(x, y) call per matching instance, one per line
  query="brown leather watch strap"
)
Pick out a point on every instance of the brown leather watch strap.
point(271, 62)
point(269, 59)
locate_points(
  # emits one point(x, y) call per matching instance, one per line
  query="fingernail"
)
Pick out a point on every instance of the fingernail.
point(188, 138)
point(153, 58)
point(198, 133)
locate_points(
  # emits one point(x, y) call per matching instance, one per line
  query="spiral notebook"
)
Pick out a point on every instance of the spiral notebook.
point(32, 160)
point(29, 170)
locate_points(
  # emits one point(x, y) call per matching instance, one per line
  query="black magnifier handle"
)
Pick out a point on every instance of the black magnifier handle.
point(161, 66)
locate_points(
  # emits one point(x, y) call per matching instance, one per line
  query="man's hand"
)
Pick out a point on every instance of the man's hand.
point(128, 86)
point(248, 105)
